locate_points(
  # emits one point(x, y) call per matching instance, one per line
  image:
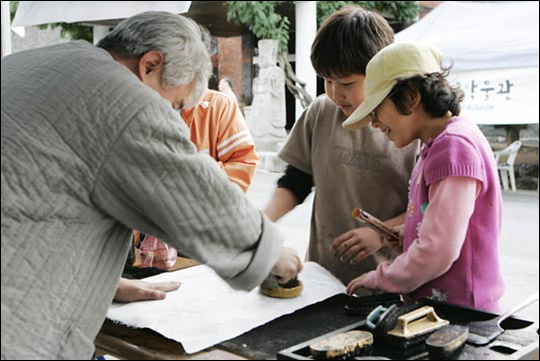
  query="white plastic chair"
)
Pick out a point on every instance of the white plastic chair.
point(505, 164)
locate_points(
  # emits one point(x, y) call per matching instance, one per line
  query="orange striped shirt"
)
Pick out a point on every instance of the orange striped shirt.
point(219, 129)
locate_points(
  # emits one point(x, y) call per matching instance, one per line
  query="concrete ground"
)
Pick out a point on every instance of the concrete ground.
point(518, 247)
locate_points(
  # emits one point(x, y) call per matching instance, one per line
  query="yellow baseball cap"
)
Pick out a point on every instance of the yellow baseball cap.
point(394, 62)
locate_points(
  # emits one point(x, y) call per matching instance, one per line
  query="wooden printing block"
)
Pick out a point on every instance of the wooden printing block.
point(348, 344)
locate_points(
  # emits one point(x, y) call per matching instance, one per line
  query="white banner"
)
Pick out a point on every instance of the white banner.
point(499, 96)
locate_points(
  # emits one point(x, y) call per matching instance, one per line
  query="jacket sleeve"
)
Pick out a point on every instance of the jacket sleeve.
point(185, 199)
point(235, 147)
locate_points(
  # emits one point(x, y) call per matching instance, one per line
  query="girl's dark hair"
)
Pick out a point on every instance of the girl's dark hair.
point(347, 41)
point(438, 96)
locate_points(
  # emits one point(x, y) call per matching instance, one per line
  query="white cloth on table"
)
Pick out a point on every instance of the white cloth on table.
point(205, 311)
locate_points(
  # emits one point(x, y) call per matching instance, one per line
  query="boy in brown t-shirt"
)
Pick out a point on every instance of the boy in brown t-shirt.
point(348, 169)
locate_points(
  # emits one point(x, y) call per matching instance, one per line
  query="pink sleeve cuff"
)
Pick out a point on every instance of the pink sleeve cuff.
point(370, 281)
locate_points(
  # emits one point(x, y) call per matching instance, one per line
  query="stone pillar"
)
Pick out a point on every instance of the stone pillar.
point(6, 29)
point(306, 29)
point(266, 118)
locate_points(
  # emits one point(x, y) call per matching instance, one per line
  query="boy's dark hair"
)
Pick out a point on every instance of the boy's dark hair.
point(347, 41)
point(438, 96)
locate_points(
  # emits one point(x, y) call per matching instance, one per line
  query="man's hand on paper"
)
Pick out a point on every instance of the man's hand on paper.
point(136, 290)
point(288, 265)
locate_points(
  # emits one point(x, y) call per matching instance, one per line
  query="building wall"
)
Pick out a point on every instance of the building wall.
point(230, 61)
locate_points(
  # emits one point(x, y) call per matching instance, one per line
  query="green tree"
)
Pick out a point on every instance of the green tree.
point(262, 19)
point(401, 11)
point(265, 22)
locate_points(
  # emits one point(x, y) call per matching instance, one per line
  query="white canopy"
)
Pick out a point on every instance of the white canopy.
point(44, 12)
point(493, 50)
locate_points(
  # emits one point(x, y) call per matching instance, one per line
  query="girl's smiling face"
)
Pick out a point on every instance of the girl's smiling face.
point(397, 127)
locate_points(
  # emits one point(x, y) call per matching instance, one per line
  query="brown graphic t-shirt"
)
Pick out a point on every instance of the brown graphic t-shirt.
point(350, 169)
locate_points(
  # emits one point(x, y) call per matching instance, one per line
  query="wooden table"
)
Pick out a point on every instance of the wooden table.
point(144, 344)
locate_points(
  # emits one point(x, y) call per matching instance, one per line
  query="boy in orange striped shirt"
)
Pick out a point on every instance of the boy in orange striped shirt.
point(218, 129)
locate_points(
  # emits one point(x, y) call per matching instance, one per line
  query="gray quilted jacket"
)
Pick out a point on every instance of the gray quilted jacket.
point(89, 153)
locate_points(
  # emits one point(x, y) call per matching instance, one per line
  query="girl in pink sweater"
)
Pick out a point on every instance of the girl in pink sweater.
point(453, 220)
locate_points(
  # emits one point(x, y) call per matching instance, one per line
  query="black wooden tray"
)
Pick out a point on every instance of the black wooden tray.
point(519, 341)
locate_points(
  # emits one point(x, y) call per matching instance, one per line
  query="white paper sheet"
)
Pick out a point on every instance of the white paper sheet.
point(206, 311)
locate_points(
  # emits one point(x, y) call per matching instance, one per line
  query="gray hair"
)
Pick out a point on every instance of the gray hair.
point(179, 39)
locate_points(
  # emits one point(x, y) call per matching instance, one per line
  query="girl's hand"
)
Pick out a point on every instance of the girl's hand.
point(355, 284)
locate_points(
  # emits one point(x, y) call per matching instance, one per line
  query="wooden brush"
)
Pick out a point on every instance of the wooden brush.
point(271, 288)
point(377, 225)
point(343, 345)
point(447, 343)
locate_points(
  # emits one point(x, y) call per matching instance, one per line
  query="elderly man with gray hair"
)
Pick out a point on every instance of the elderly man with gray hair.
point(78, 122)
